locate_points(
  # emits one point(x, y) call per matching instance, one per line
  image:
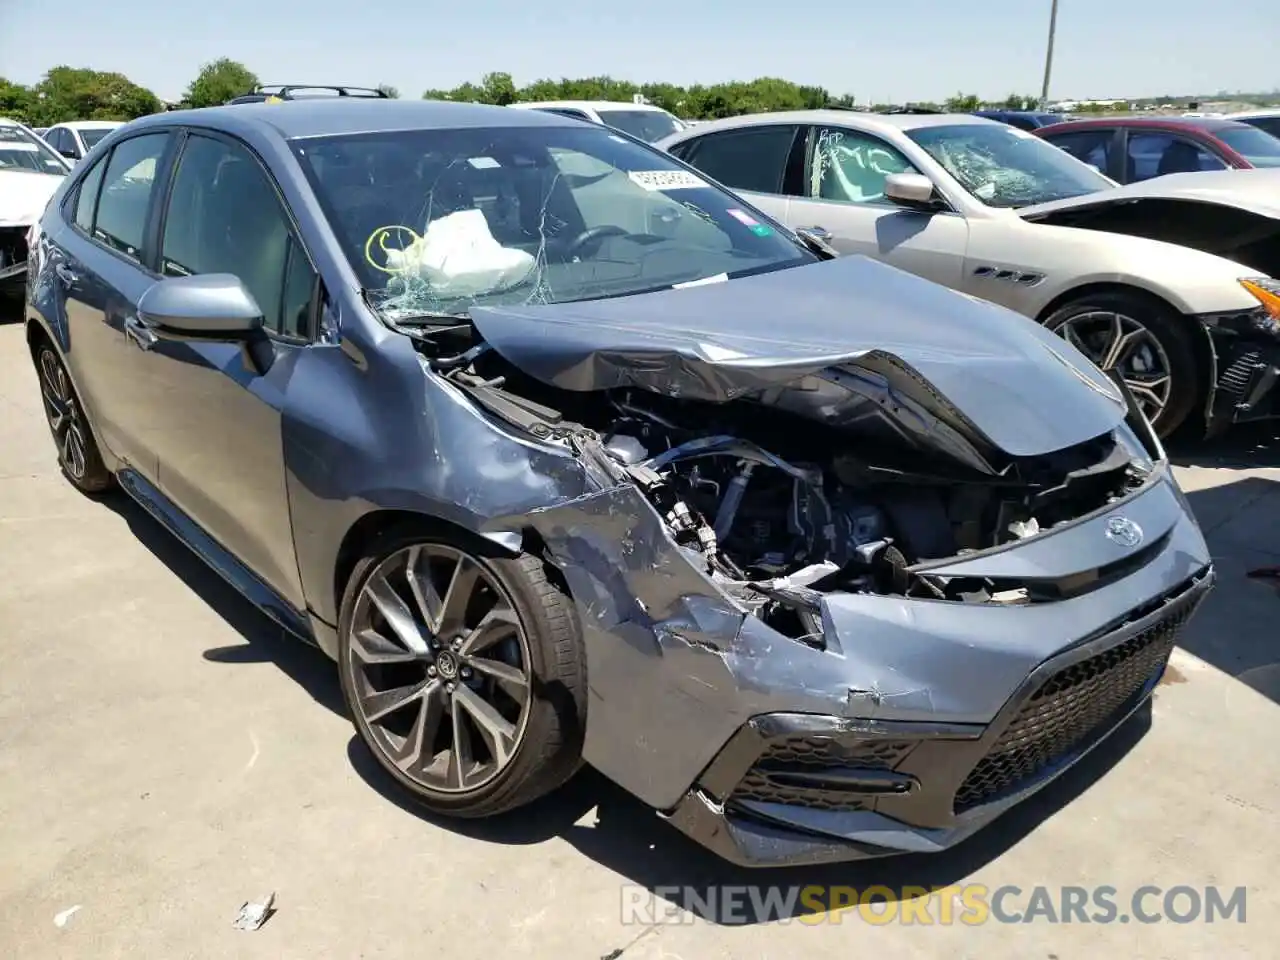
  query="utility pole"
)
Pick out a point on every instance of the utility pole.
point(1048, 56)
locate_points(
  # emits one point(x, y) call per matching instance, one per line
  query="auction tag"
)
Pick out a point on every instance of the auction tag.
point(666, 180)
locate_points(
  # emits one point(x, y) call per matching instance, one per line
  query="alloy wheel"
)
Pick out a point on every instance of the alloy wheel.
point(1115, 341)
point(440, 668)
point(63, 414)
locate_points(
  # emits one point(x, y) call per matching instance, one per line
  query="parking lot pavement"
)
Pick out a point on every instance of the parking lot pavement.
point(165, 755)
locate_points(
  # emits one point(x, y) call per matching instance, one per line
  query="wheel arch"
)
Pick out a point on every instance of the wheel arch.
point(1202, 347)
point(364, 533)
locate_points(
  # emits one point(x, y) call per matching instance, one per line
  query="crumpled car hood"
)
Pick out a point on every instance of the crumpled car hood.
point(1019, 387)
point(1255, 191)
point(24, 195)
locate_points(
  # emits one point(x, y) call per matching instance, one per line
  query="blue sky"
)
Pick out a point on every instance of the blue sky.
point(885, 51)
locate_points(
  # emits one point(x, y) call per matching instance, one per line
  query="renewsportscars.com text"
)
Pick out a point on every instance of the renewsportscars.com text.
point(968, 904)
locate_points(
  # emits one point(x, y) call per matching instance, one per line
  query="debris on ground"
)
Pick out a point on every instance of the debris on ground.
point(60, 919)
point(254, 915)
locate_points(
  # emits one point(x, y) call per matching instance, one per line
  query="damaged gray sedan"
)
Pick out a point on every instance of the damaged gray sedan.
point(566, 455)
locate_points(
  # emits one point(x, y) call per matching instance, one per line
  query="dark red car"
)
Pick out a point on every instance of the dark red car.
point(1129, 149)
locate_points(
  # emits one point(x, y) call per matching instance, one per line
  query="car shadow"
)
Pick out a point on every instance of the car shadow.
point(609, 826)
point(265, 641)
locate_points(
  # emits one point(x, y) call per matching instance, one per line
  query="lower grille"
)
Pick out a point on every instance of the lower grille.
point(1071, 709)
point(812, 755)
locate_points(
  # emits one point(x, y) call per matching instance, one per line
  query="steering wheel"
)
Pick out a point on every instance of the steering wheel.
point(592, 235)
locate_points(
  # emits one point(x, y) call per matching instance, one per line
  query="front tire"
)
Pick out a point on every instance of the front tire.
point(1146, 341)
point(78, 454)
point(463, 672)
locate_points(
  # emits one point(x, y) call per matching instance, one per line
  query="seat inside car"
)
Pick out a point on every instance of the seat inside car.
point(1178, 157)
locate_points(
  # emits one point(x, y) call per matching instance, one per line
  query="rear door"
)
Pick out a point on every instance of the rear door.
point(763, 162)
point(102, 270)
point(844, 197)
point(219, 440)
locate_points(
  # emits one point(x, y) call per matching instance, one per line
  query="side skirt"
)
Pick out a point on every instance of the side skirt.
point(245, 581)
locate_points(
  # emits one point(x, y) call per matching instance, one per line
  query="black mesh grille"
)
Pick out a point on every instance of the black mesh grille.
point(1070, 709)
point(812, 754)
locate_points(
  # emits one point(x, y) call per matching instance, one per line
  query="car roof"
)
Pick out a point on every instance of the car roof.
point(1202, 124)
point(598, 105)
point(1261, 113)
point(335, 116)
point(871, 121)
point(90, 124)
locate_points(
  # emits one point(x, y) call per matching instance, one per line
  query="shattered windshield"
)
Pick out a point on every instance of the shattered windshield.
point(647, 125)
point(1006, 167)
point(20, 150)
point(440, 221)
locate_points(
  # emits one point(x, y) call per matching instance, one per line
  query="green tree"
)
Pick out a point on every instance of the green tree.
point(219, 81)
point(16, 101)
point(498, 89)
point(389, 90)
point(963, 103)
point(75, 93)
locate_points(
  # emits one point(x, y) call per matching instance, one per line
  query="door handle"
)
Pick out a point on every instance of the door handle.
point(68, 276)
point(139, 333)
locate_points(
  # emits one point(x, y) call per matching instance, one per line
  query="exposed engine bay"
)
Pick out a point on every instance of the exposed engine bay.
point(779, 510)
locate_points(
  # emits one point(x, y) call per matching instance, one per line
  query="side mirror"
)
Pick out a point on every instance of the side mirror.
point(913, 190)
point(69, 153)
point(212, 306)
point(209, 308)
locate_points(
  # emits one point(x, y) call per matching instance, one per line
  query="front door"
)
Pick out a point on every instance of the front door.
point(220, 445)
point(100, 273)
point(844, 198)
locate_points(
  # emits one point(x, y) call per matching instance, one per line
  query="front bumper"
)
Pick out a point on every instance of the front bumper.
point(793, 789)
point(1246, 374)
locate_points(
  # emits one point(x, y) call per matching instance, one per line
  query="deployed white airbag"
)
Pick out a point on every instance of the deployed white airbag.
point(459, 257)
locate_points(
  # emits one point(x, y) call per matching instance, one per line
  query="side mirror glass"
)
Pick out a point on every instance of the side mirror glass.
point(213, 306)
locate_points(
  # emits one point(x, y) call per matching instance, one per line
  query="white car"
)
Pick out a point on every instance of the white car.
point(1170, 282)
point(643, 121)
point(76, 138)
point(30, 172)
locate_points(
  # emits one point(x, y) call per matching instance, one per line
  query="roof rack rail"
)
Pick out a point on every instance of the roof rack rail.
point(287, 91)
point(914, 110)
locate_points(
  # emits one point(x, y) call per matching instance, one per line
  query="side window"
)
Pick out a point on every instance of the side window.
point(126, 193)
point(224, 216)
point(752, 158)
point(1089, 146)
point(1269, 125)
point(87, 196)
point(1157, 154)
point(851, 167)
point(53, 138)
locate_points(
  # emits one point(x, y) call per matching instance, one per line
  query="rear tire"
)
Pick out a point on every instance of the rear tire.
point(448, 722)
point(78, 454)
point(1147, 341)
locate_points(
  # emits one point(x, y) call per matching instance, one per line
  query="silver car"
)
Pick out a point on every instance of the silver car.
point(1170, 282)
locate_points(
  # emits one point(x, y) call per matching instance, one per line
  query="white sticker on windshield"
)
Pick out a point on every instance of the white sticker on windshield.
point(666, 180)
point(718, 278)
point(484, 163)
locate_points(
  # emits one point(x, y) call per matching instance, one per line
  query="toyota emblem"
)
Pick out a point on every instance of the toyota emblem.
point(1124, 531)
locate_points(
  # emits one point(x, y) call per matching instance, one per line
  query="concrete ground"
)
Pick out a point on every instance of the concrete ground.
point(165, 755)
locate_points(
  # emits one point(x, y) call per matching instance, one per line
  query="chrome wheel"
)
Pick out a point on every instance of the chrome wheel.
point(63, 413)
point(1115, 341)
point(439, 668)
